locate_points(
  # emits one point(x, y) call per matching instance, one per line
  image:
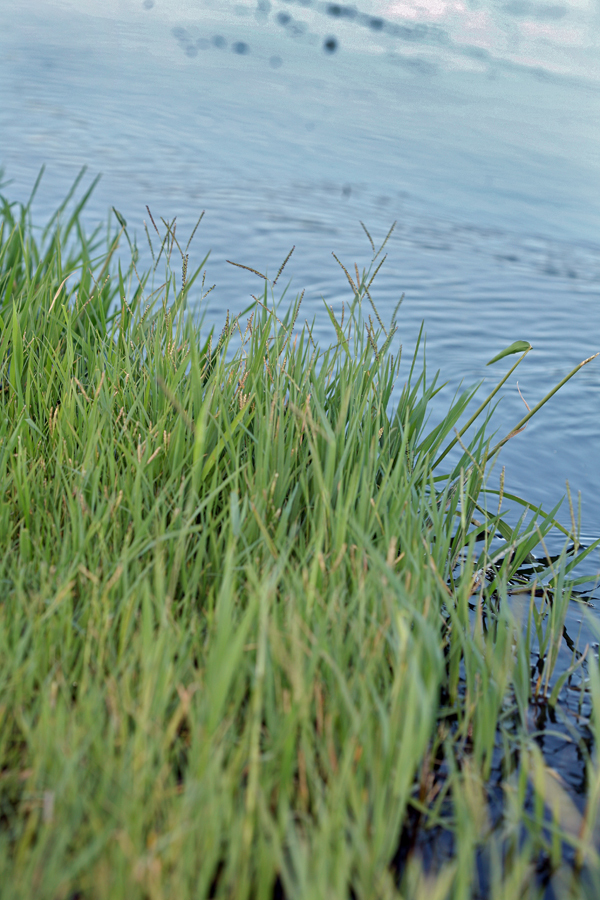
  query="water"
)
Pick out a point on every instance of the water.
point(475, 126)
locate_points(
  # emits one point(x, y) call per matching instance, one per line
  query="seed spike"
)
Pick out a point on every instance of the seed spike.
point(249, 268)
point(374, 275)
point(388, 236)
point(152, 220)
point(375, 310)
point(283, 265)
point(346, 272)
point(364, 227)
point(396, 308)
point(195, 230)
point(296, 311)
point(149, 242)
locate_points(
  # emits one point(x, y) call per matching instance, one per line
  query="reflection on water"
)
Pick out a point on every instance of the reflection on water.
point(553, 37)
point(474, 125)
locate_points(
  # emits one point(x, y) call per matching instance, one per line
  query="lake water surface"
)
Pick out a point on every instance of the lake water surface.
point(475, 125)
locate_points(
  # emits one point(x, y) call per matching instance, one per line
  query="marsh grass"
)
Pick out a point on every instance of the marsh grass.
point(256, 633)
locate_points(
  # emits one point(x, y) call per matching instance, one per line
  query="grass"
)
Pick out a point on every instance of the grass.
point(257, 629)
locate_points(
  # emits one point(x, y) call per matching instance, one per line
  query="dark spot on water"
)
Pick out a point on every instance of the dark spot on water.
point(376, 23)
point(541, 74)
point(294, 28)
point(240, 47)
point(339, 11)
point(330, 45)
point(346, 190)
point(276, 62)
point(297, 29)
point(184, 39)
point(148, 4)
point(219, 41)
point(476, 52)
point(415, 64)
point(550, 269)
point(310, 126)
point(411, 33)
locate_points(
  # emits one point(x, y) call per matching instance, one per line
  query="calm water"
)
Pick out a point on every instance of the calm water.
point(475, 125)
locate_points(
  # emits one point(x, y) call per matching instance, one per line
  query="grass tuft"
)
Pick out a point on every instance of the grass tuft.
point(255, 640)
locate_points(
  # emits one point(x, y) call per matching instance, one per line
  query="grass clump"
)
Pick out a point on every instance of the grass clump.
point(255, 640)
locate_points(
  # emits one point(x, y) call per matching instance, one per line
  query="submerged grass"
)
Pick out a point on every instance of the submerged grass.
point(256, 633)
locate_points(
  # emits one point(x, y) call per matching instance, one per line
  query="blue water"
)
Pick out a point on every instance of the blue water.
point(476, 127)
